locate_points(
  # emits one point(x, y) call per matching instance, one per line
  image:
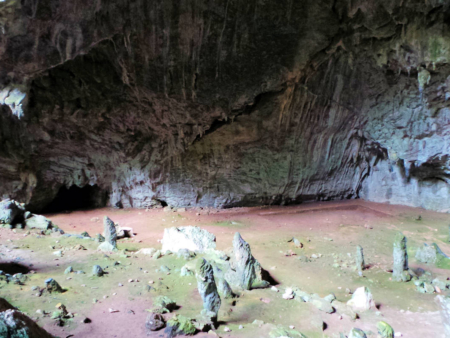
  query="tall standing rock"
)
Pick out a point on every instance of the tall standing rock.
point(207, 287)
point(360, 264)
point(110, 243)
point(248, 269)
point(400, 270)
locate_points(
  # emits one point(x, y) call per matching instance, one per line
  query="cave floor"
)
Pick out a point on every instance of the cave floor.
point(332, 229)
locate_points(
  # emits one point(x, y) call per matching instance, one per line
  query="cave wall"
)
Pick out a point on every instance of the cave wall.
point(225, 103)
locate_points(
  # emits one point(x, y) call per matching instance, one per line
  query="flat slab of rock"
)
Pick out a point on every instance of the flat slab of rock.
point(189, 237)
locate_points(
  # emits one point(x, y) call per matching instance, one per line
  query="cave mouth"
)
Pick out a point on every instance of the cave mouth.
point(76, 198)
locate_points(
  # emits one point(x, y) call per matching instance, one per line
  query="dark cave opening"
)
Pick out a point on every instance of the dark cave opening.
point(75, 198)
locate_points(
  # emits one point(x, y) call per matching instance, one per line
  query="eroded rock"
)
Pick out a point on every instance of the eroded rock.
point(189, 238)
point(207, 287)
point(15, 324)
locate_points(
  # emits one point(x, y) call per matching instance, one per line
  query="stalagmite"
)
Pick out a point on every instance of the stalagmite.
point(207, 287)
point(360, 265)
point(400, 270)
point(110, 243)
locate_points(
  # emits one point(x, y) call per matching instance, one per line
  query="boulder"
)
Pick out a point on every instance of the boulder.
point(189, 237)
point(361, 300)
point(15, 324)
point(97, 271)
point(179, 325)
point(38, 222)
point(52, 286)
point(11, 212)
point(385, 330)
point(154, 322)
point(432, 254)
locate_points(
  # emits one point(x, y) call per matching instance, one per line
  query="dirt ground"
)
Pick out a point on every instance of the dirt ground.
point(331, 229)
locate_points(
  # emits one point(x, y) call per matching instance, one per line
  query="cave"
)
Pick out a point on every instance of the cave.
point(226, 168)
point(76, 198)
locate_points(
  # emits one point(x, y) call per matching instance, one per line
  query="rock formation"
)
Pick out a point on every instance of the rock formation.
point(14, 323)
point(360, 264)
point(188, 238)
point(362, 300)
point(207, 287)
point(225, 104)
point(247, 272)
point(110, 243)
point(400, 269)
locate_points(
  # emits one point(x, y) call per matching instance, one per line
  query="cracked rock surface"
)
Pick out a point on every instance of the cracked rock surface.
point(199, 103)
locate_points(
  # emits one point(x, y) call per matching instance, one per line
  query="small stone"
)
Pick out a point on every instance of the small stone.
point(241, 327)
point(97, 271)
point(112, 310)
point(154, 322)
point(227, 329)
point(68, 270)
point(273, 288)
point(288, 294)
point(130, 281)
point(120, 284)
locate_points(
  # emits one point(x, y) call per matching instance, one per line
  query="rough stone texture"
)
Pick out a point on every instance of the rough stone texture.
point(444, 302)
point(52, 286)
point(14, 324)
point(109, 230)
point(190, 238)
point(245, 271)
point(222, 285)
point(200, 103)
point(10, 211)
point(362, 300)
point(385, 330)
point(356, 333)
point(97, 271)
point(400, 268)
point(39, 222)
point(432, 254)
point(154, 322)
point(360, 264)
point(207, 287)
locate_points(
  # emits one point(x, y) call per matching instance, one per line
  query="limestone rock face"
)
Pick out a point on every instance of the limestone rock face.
point(226, 104)
point(187, 238)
